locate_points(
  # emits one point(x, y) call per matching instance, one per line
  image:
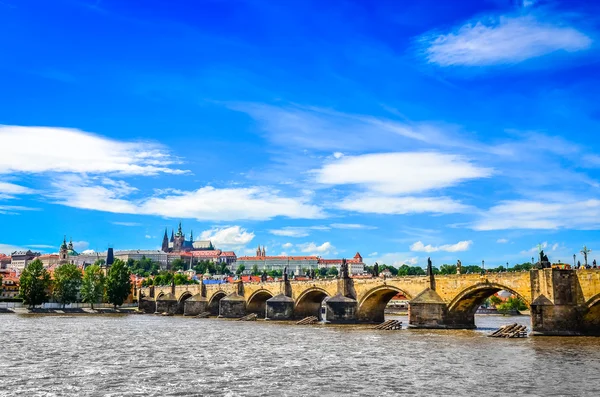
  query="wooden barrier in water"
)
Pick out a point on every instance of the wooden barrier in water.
point(389, 325)
point(203, 315)
point(510, 331)
point(249, 317)
point(308, 321)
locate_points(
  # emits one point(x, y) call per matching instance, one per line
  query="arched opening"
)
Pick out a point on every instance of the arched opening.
point(257, 303)
point(160, 295)
point(213, 304)
point(373, 306)
point(461, 311)
point(309, 303)
point(591, 317)
point(185, 296)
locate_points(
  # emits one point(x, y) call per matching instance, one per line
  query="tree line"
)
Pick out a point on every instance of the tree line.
point(444, 269)
point(69, 284)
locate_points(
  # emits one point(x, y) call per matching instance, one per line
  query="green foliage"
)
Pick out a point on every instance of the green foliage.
point(92, 286)
point(100, 262)
point(182, 279)
point(144, 267)
point(332, 271)
point(322, 271)
point(67, 280)
point(163, 278)
point(406, 270)
point(177, 264)
point(275, 273)
point(118, 283)
point(35, 283)
point(495, 301)
point(255, 271)
point(512, 303)
point(392, 269)
point(240, 269)
point(203, 266)
point(223, 268)
point(448, 269)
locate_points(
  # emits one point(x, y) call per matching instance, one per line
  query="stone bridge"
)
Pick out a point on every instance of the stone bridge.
point(563, 302)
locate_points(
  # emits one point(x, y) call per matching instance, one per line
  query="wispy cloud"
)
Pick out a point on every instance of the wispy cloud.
point(206, 203)
point(458, 247)
point(502, 40)
point(129, 224)
point(374, 204)
point(401, 173)
point(502, 241)
point(232, 237)
point(70, 150)
point(317, 250)
point(297, 231)
point(352, 226)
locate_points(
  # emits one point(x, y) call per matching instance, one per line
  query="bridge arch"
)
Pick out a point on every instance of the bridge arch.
point(160, 295)
point(591, 315)
point(371, 308)
point(213, 302)
point(184, 296)
point(309, 302)
point(257, 302)
point(461, 310)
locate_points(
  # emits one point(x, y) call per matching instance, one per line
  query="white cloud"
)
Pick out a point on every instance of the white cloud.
point(206, 203)
point(502, 241)
point(88, 252)
point(50, 149)
point(397, 259)
point(317, 250)
point(42, 246)
point(401, 205)
point(555, 246)
point(287, 245)
point(297, 231)
point(536, 249)
point(129, 224)
point(338, 155)
point(529, 214)
point(148, 236)
point(14, 209)
point(228, 237)
point(502, 40)
point(374, 253)
point(7, 249)
point(80, 245)
point(351, 226)
point(458, 247)
point(9, 190)
point(401, 173)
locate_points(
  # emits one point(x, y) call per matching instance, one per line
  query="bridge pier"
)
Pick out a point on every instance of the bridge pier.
point(280, 307)
point(195, 305)
point(232, 306)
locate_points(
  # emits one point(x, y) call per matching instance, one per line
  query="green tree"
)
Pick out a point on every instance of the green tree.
point(322, 271)
point(177, 265)
point(333, 271)
point(495, 301)
point(223, 268)
point(255, 271)
point(118, 283)
point(100, 262)
point(67, 281)
point(240, 269)
point(512, 303)
point(448, 269)
point(92, 286)
point(275, 273)
point(35, 282)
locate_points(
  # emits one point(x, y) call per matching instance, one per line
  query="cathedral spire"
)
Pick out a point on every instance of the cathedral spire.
point(165, 242)
point(192, 236)
point(172, 235)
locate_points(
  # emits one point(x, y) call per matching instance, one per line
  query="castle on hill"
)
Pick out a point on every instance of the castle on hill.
point(178, 242)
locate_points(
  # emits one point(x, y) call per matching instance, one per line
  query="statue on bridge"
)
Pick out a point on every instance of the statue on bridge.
point(429, 267)
point(344, 270)
point(285, 274)
point(376, 270)
point(263, 276)
point(312, 274)
point(458, 267)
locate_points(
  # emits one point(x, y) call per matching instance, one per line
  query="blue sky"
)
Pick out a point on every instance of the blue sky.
point(457, 130)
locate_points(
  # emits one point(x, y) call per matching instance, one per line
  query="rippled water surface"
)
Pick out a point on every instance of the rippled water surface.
point(176, 356)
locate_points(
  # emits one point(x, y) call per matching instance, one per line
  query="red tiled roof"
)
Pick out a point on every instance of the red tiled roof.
point(227, 253)
point(291, 258)
point(206, 254)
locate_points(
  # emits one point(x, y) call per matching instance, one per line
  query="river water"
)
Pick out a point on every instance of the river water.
point(145, 355)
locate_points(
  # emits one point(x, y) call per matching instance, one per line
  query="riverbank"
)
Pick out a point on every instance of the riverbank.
point(71, 311)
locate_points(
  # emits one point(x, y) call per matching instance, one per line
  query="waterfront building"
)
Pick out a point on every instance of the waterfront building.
point(297, 264)
point(178, 242)
point(67, 253)
point(356, 265)
point(20, 259)
point(10, 286)
point(162, 258)
point(49, 259)
point(4, 261)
